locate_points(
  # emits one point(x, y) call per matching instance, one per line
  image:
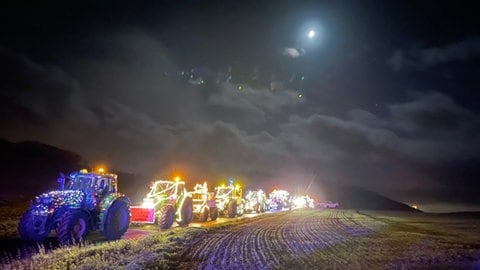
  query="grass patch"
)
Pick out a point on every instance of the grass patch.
point(10, 215)
point(158, 251)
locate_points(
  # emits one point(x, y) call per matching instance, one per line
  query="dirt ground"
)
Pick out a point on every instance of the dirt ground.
point(304, 239)
point(338, 239)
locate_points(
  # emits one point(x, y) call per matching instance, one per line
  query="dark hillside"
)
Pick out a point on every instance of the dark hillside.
point(27, 168)
point(358, 198)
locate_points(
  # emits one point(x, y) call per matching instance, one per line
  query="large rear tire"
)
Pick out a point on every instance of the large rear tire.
point(204, 215)
point(117, 221)
point(166, 217)
point(31, 229)
point(214, 214)
point(73, 227)
point(232, 209)
point(186, 213)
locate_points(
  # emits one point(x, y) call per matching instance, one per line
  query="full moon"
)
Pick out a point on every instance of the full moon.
point(311, 34)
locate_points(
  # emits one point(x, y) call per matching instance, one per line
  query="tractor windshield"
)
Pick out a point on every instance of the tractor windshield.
point(197, 196)
point(79, 183)
point(166, 188)
point(223, 191)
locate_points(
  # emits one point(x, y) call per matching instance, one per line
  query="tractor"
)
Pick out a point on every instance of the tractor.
point(204, 204)
point(167, 201)
point(303, 202)
point(255, 201)
point(229, 200)
point(85, 201)
point(280, 199)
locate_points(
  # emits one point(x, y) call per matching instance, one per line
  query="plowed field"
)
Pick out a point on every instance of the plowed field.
point(336, 239)
point(299, 239)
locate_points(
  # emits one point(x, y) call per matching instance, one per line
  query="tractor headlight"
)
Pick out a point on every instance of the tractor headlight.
point(42, 210)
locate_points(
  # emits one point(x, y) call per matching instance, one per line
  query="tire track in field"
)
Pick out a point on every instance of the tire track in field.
point(221, 248)
point(271, 240)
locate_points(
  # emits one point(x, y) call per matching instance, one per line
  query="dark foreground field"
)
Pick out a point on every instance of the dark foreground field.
point(339, 239)
point(302, 239)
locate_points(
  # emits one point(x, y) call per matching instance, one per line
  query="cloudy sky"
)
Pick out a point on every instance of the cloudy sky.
point(380, 96)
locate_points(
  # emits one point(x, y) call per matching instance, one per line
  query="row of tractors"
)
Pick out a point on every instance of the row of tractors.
point(88, 201)
point(169, 201)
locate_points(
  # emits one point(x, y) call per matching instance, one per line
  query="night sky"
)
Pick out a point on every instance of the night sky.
point(383, 96)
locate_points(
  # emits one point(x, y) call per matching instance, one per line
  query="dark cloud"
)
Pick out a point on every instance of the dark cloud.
point(33, 92)
point(421, 59)
point(168, 125)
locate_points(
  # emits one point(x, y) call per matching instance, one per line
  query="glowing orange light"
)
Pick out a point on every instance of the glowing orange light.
point(414, 206)
point(177, 178)
point(101, 170)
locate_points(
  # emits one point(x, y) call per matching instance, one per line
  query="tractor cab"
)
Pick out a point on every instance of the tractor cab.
point(94, 185)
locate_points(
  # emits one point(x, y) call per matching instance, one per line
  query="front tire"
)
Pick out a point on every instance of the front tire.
point(32, 229)
point(166, 217)
point(263, 208)
point(240, 209)
point(204, 215)
point(73, 227)
point(117, 221)
point(256, 209)
point(279, 206)
point(232, 209)
point(214, 214)
point(186, 213)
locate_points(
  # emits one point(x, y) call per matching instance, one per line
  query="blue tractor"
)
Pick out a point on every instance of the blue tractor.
point(85, 201)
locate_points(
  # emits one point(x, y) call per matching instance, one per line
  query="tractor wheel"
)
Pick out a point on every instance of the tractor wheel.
point(117, 221)
point(186, 213)
point(240, 209)
point(204, 215)
point(263, 207)
point(214, 214)
point(72, 227)
point(232, 209)
point(28, 231)
point(166, 217)
point(279, 206)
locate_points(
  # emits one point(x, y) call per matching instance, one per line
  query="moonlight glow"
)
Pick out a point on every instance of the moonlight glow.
point(311, 34)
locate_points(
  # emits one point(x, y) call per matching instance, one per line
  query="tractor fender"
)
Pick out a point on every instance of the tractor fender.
point(106, 203)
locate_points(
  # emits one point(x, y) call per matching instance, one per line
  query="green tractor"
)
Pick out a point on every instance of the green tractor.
point(85, 201)
point(204, 204)
point(229, 200)
point(167, 201)
point(255, 201)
